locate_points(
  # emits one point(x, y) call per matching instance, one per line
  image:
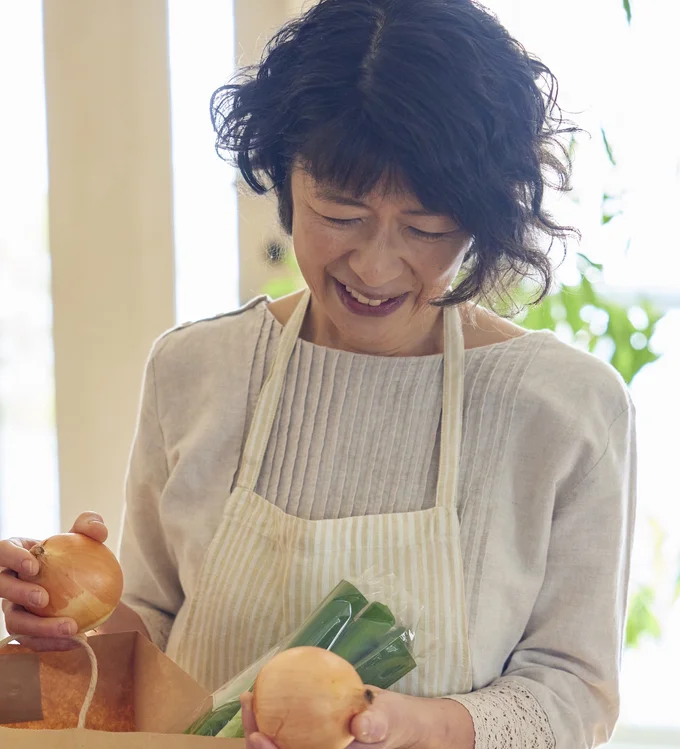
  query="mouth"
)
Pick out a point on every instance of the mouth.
point(361, 305)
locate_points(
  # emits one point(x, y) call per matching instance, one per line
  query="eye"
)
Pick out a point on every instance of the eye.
point(341, 221)
point(429, 236)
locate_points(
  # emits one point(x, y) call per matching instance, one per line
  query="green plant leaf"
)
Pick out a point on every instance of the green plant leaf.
point(610, 152)
point(627, 8)
point(540, 317)
point(589, 262)
point(641, 358)
point(653, 315)
point(279, 287)
point(288, 280)
point(573, 143)
point(574, 299)
point(588, 292)
point(641, 621)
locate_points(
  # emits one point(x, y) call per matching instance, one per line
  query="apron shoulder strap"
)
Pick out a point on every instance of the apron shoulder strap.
point(267, 404)
point(452, 409)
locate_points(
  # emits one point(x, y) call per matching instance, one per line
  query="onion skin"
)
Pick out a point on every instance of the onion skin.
point(82, 578)
point(306, 697)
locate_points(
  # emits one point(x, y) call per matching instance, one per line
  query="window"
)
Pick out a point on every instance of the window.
point(619, 78)
point(28, 451)
point(201, 51)
point(206, 254)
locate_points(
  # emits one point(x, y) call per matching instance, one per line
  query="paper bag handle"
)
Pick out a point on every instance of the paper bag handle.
point(81, 640)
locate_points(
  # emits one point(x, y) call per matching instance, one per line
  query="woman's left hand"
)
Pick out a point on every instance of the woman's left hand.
point(394, 721)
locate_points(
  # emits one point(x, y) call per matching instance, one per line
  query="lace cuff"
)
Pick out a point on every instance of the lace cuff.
point(507, 716)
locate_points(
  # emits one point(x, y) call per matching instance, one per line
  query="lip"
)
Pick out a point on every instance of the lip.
point(385, 309)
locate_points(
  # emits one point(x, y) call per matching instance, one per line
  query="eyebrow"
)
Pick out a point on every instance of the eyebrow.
point(332, 196)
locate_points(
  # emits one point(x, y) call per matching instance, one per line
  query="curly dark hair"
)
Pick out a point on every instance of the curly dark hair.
point(433, 94)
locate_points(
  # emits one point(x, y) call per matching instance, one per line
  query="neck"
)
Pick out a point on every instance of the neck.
point(427, 335)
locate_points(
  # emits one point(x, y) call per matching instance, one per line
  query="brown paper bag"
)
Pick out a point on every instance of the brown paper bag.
point(143, 700)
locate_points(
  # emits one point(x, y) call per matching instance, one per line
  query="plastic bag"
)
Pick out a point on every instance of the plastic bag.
point(363, 622)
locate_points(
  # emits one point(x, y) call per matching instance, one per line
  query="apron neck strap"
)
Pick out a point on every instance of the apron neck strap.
point(452, 406)
point(452, 409)
point(270, 397)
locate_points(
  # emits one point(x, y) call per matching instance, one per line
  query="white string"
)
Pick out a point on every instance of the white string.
point(94, 675)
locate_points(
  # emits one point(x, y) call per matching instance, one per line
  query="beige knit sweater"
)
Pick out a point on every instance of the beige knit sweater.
point(546, 496)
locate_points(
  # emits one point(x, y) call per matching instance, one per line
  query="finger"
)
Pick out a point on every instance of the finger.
point(15, 556)
point(20, 621)
point(91, 524)
point(247, 714)
point(24, 593)
point(258, 741)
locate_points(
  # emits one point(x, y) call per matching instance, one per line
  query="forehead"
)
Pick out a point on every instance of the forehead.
point(387, 191)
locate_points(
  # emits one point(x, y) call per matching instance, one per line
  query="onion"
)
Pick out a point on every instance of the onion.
point(306, 697)
point(84, 582)
point(82, 577)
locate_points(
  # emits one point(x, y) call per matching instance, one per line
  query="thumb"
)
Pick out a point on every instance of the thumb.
point(91, 524)
point(392, 719)
point(371, 726)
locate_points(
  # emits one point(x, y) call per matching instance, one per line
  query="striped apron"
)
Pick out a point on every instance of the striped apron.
point(265, 571)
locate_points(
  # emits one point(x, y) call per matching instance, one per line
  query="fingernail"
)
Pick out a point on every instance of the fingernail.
point(30, 566)
point(36, 598)
point(96, 518)
point(66, 628)
point(372, 727)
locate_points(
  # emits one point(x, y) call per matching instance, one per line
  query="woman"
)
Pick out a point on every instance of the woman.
point(381, 419)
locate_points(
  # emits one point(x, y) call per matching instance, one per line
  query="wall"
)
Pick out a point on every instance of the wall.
point(111, 243)
point(258, 222)
point(111, 224)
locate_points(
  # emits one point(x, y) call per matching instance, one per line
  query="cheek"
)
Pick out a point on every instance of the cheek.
point(437, 269)
point(442, 264)
point(316, 245)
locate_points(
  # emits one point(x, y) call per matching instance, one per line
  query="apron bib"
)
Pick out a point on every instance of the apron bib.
point(265, 571)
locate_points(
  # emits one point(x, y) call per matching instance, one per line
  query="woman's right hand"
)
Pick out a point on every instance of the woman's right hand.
point(17, 568)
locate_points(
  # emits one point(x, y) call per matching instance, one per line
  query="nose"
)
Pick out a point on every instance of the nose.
point(378, 261)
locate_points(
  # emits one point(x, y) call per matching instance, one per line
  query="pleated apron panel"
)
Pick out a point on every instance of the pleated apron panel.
point(265, 571)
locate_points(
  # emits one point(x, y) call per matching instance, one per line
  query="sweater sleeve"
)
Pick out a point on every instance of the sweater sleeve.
point(152, 586)
point(560, 687)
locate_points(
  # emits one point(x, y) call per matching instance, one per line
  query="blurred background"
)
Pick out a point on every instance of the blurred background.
point(118, 221)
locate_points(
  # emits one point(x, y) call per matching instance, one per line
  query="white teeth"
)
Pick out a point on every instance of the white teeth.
point(365, 300)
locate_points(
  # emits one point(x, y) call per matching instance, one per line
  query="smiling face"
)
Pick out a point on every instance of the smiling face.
point(373, 265)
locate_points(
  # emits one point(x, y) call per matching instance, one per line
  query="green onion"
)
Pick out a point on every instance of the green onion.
point(390, 661)
point(363, 634)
